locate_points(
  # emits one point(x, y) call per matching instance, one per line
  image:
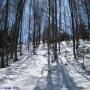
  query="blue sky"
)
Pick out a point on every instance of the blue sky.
point(65, 7)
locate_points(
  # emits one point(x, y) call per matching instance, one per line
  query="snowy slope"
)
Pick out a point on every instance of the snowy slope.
point(33, 72)
point(24, 73)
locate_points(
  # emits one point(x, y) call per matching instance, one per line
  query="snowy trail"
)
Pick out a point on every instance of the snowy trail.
point(57, 79)
point(24, 74)
point(31, 73)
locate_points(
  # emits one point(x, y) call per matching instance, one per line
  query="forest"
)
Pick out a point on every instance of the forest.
point(52, 34)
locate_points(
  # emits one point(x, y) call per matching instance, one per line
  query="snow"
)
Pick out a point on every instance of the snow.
point(35, 72)
point(24, 73)
point(80, 77)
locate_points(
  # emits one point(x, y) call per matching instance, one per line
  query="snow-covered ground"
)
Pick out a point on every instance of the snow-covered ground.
point(25, 73)
point(35, 72)
point(80, 77)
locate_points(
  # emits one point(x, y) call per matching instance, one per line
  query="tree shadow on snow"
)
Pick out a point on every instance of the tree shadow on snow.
point(56, 79)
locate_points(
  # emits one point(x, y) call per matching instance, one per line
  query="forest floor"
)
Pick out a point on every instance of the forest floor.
point(35, 72)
